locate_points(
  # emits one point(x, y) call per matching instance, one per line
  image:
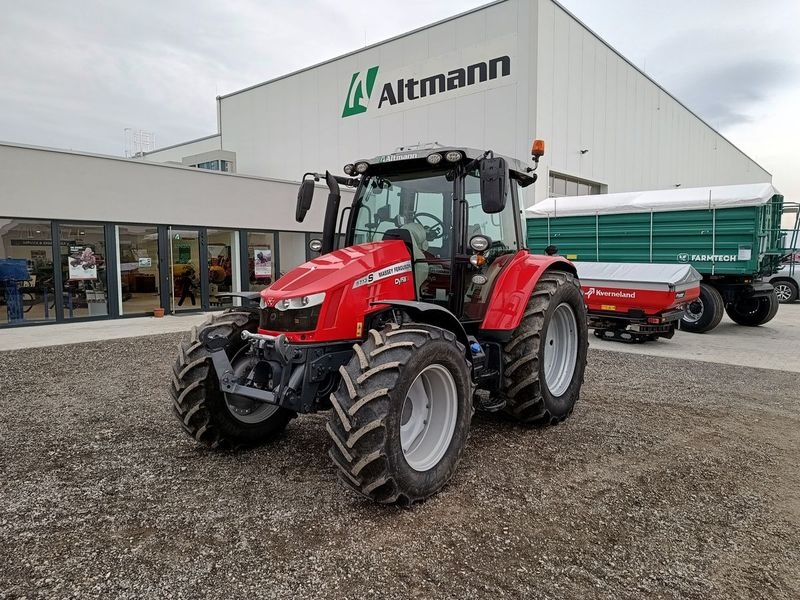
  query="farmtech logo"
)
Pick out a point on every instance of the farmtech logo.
point(359, 92)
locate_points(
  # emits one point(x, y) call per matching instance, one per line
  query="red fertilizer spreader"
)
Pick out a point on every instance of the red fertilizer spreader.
point(632, 302)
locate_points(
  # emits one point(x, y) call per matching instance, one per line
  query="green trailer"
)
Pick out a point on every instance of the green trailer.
point(731, 234)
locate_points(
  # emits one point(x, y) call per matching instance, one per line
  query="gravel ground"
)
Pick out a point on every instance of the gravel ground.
point(672, 479)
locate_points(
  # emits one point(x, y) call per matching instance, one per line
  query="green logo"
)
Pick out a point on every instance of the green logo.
point(358, 95)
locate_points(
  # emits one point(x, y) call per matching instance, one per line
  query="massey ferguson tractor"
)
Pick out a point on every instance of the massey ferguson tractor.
point(430, 309)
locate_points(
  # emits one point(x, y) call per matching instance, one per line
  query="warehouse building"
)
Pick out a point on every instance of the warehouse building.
point(495, 77)
point(182, 224)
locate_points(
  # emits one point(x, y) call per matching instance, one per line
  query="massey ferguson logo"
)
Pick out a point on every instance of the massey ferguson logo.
point(608, 293)
point(410, 89)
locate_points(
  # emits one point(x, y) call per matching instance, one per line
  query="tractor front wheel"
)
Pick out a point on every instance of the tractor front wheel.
point(210, 416)
point(544, 362)
point(401, 414)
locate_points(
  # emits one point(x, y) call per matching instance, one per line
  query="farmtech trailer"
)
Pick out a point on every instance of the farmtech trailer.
point(731, 234)
point(431, 297)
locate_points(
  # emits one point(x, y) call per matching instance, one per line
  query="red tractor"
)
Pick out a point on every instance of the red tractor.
point(430, 309)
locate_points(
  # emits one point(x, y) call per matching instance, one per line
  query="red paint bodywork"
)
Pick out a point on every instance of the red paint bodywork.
point(513, 288)
point(611, 299)
point(335, 273)
point(345, 306)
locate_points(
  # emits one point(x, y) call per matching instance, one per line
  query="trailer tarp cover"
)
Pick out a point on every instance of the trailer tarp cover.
point(671, 276)
point(726, 196)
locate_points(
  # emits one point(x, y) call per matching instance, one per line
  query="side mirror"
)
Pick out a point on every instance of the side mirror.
point(304, 197)
point(493, 184)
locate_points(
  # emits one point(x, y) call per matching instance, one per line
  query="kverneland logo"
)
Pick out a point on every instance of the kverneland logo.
point(608, 293)
point(410, 89)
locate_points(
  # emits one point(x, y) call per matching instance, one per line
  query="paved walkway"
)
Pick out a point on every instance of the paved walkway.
point(775, 345)
point(14, 338)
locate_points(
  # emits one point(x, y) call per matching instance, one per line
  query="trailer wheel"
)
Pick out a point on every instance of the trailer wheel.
point(752, 312)
point(401, 413)
point(213, 418)
point(786, 290)
point(705, 312)
point(545, 360)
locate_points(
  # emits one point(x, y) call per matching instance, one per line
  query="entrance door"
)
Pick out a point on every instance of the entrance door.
point(186, 262)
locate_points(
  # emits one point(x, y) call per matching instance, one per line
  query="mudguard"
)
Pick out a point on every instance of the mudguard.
point(432, 314)
point(514, 286)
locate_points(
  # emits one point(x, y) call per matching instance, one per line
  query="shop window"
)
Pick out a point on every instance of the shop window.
point(260, 259)
point(293, 250)
point(27, 291)
point(84, 270)
point(138, 268)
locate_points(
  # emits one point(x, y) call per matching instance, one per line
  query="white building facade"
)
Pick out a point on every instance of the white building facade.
point(495, 78)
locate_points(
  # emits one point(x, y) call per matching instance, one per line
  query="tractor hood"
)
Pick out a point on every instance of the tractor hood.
point(331, 270)
point(353, 279)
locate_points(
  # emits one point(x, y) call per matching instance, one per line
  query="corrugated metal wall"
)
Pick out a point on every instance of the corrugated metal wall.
point(638, 136)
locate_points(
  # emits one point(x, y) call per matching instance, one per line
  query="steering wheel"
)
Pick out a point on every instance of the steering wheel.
point(431, 233)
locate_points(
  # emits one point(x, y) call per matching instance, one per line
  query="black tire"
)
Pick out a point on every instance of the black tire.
point(365, 421)
point(752, 312)
point(197, 401)
point(705, 313)
point(528, 397)
point(788, 291)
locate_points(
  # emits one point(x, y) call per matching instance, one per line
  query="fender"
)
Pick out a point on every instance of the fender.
point(431, 314)
point(514, 286)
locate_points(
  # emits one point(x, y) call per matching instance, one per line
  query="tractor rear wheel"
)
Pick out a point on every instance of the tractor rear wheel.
point(705, 312)
point(752, 312)
point(210, 416)
point(401, 413)
point(545, 359)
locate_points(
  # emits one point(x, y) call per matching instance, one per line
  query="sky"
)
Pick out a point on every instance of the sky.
point(75, 75)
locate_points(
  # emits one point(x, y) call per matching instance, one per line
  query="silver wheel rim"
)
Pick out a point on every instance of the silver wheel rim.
point(561, 349)
point(783, 292)
point(428, 417)
point(244, 409)
point(693, 311)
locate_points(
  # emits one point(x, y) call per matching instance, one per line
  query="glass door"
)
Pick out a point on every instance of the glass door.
point(185, 263)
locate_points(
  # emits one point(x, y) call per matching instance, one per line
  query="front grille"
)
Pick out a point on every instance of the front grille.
point(303, 319)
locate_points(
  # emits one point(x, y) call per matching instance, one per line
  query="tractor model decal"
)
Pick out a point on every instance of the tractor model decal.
point(390, 271)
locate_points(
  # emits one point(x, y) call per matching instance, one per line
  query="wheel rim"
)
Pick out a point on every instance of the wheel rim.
point(693, 311)
point(247, 410)
point(783, 292)
point(561, 349)
point(428, 417)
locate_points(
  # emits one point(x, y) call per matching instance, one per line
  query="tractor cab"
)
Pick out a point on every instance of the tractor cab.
point(456, 209)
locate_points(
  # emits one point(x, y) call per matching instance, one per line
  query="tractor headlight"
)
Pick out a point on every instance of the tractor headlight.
point(453, 156)
point(434, 159)
point(301, 302)
point(361, 167)
point(349, 169)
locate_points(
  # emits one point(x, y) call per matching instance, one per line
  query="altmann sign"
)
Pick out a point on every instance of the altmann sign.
point(408, 89)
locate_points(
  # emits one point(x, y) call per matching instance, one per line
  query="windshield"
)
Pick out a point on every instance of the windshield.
point(419, 202)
